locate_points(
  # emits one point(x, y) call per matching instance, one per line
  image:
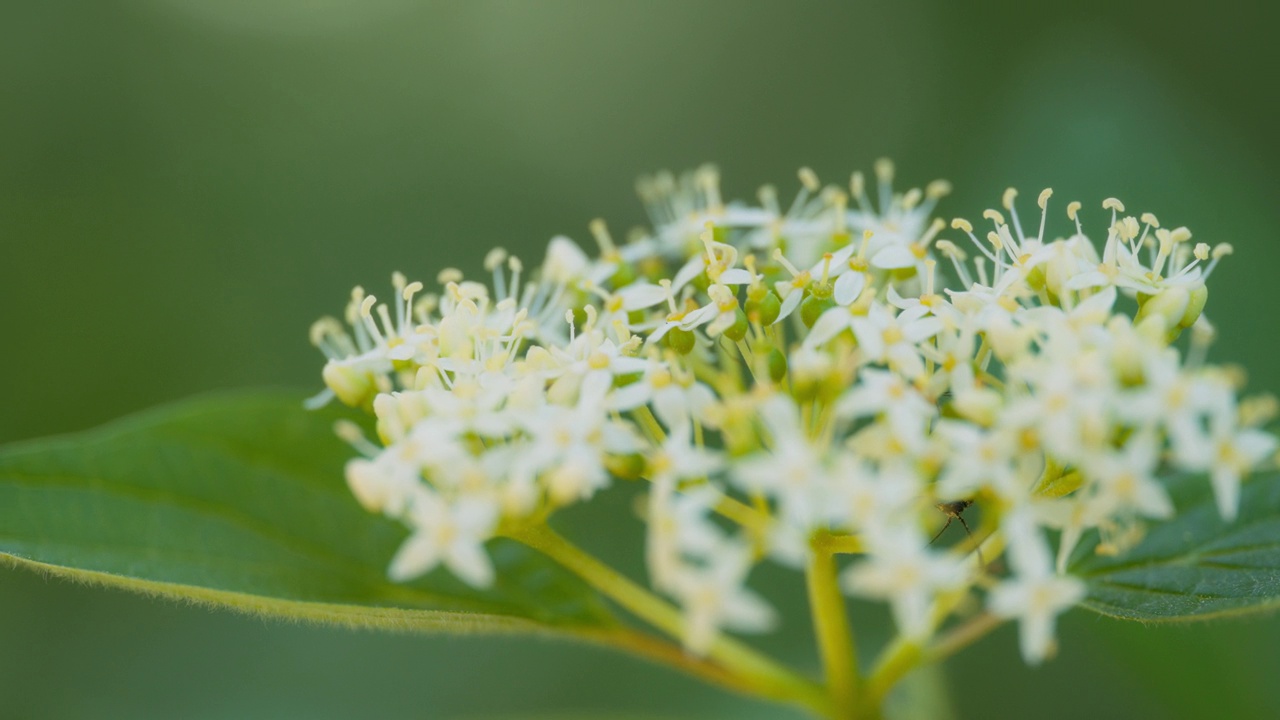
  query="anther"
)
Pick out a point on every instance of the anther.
point(1007, 199)
point(809, 179)
point(1043, 200)
point(839, 202)
point(601, 233)
point(857, 186)
point(494, 259)
point(884, 170)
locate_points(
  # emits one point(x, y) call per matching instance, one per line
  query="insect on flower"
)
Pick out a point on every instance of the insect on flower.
point(954, 510)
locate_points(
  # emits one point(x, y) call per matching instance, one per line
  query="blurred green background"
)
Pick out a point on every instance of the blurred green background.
point(185, 185)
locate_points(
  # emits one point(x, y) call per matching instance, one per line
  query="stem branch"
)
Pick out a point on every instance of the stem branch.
point(751, 671)
point(831, 628)
point(962, 636)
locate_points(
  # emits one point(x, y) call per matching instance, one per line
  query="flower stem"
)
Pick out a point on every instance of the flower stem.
point(962, 636)
point(831, 628)
point(900, 658)
point(754, 673)
point(903, 655)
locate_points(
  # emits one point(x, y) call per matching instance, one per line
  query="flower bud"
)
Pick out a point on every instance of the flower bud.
point(765, 308)
point(1170, 303)
point(812, 307)
point(625, 467)
point(681, 341)
point(980, 405)
point(353, 387)
point(777, 365)
point(1195, 306)
point(738, 330)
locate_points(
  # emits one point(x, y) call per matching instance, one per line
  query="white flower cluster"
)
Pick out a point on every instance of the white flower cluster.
point(776, 375)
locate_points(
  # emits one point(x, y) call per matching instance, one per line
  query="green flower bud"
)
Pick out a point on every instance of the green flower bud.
point(777, 365)
point(1195, 306)
point(812, 307)
point(738, 330)
point(764, 309)
point(1171, 305)
point(623, 276)
point(681, 341)
point(625, 467)
point(353, 387)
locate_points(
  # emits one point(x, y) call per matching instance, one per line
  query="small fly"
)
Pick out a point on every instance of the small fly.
point(954, 510)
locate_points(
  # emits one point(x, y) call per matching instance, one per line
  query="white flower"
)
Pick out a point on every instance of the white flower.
point(1126, 482)
point(589, 363)
point(714, 596)
point(1120, 485)
point(676, 400)
point(1173, 398)
point(450, 533)
point(1035, 596)
point(566, 264)
point(870, 496)
point(1036, 601)
point(568, 447)
point(360, 362)
point(717, 315)
point(791, 471)
point(881, 392)
point(680, 529)
point(1023, 383)
point(886, 338)
point(981, 458)
point(387, 482)
point(900, 568)
point(1228, 454)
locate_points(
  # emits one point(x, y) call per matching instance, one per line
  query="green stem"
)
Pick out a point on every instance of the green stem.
point(831, 628)
point(902, 656)
point(753, 672)
point(650, 424)
point(962, 636)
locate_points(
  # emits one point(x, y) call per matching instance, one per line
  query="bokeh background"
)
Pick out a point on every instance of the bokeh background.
point(186, 184)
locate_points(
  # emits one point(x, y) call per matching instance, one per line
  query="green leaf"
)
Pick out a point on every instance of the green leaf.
point(1195, 566)
point(239, 501)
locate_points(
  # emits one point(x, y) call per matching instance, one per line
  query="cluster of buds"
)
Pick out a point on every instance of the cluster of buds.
point(834, 370)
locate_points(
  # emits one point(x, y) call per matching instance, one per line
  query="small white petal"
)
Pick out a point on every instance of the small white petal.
point(828, 325)
point(690, 270)
point(736, 276)
point(470, 563)
point(416, 556)
point(849, 286)
point(894, 257)
point(640, 295)
point(790, 304)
